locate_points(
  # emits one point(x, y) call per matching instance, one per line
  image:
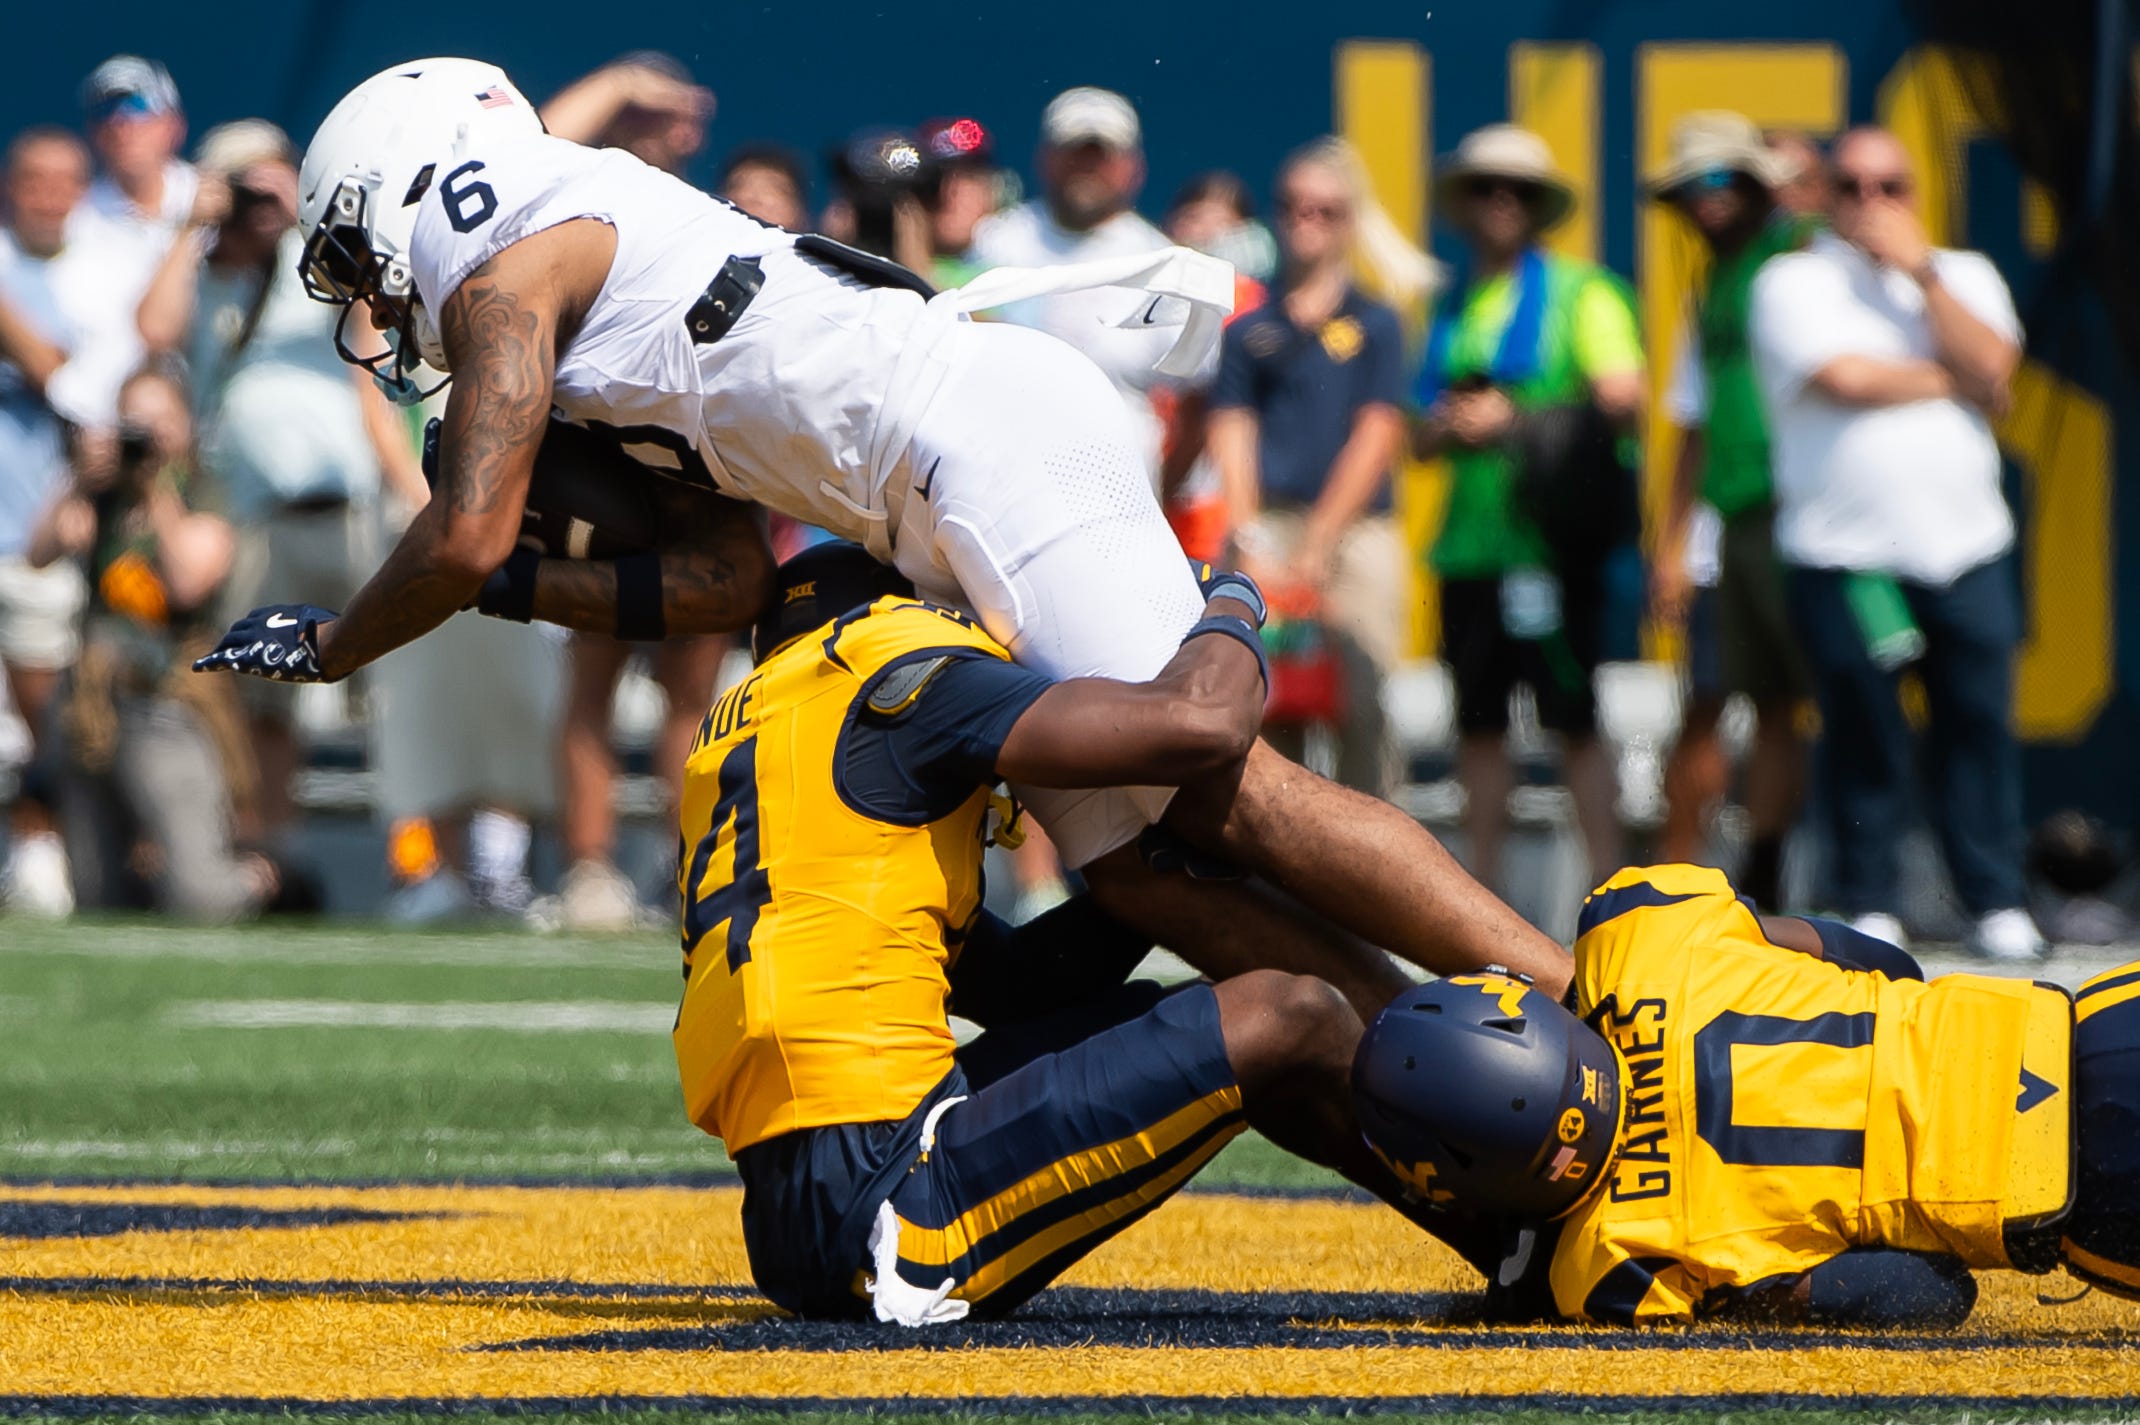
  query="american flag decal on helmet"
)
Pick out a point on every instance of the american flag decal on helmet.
point(493, 98)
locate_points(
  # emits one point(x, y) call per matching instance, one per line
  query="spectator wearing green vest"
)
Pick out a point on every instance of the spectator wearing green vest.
point(1533, 352)
point(1723, 179)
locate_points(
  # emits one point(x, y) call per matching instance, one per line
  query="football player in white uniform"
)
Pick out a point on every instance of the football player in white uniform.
point(992, 465)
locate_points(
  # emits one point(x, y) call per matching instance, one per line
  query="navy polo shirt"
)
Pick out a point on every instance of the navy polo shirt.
point(1305, 388)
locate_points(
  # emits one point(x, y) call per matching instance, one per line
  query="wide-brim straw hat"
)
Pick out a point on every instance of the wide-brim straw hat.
point(1712, 139)
point(1505, 151)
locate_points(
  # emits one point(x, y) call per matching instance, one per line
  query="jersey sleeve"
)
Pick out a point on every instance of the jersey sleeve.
point(482, 204)
point(925, 731)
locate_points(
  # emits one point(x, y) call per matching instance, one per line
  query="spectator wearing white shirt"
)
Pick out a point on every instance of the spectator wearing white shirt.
point(1882, 360)
point(46, 173)
point(1091, 169)
point(133, 212)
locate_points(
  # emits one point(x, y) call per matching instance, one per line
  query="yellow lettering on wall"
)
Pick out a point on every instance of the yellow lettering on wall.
point(2060, 437)
point(1384, 105)
point(1553, 92)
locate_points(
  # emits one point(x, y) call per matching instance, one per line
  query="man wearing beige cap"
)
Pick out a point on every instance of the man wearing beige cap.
point(1723, 179)
point(296, 439)
point(1534, 372)
point(1091, 168)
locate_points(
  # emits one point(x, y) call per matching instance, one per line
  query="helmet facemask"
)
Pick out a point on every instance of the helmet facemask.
point(340, 267)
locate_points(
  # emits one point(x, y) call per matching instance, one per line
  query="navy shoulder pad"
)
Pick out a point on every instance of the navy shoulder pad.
point(894, 690)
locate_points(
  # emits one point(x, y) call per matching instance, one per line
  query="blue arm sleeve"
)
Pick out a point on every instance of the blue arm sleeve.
point(1878, 1287)
point(918, 763)
point(1235, 386)
point(1855, 950)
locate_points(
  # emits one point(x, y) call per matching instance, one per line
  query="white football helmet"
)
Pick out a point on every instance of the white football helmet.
point(375, 156)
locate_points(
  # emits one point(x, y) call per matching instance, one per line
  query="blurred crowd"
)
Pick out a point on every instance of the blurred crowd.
point(180, 442)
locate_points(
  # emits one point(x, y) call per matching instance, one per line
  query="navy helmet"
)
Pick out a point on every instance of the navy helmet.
point(1484, 1095)
point(2101, 1243)
point(817, 586)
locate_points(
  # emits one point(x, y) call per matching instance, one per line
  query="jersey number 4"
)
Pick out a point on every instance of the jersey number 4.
point(747, 889)
point(469, 201)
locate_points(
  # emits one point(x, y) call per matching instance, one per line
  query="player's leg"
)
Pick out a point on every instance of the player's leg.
point(2102, 1235)
point(1044, 523)
point(1229, 927)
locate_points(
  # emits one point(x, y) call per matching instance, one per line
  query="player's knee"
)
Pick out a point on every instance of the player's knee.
point(1277, 1024)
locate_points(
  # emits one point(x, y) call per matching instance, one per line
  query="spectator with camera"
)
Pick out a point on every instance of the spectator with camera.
point(1884, 361)
point(46, 172)
point(147, 751)
point(1306, 424)
point(297, 439)
point(1534, 376)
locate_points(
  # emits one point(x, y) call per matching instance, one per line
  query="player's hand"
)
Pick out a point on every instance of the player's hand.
point(279, 642)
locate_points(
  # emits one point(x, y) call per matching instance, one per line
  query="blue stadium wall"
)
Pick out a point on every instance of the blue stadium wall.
point(1226, 84)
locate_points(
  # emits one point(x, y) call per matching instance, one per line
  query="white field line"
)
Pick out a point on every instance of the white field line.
point(530, 1016)
point(373, 946)
point(173, 1149)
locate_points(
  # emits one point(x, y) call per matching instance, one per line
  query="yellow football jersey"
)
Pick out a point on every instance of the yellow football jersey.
point(1781, 1110)
point(816, 935)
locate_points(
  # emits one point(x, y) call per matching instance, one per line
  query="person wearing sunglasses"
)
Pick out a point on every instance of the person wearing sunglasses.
point(1883, 361)
point(1533, 377)
point(140, 203)
point(1723, 180)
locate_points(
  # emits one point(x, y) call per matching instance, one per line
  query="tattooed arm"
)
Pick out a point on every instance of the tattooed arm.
point(716, 573)
point(503, 328)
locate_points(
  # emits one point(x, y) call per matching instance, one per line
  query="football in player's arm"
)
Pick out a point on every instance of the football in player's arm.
point(1767, 1117)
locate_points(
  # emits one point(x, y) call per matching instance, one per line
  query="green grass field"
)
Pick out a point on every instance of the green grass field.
point(136, 1053)
point(265, 1052)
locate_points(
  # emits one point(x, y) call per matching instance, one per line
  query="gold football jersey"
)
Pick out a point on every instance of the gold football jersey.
point(816, 936)
point(1781, 1110)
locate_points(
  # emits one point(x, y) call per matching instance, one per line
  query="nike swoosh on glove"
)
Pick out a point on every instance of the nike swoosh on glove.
point(280, 642)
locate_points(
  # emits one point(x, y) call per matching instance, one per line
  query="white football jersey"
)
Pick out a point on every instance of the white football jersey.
point(781, 407)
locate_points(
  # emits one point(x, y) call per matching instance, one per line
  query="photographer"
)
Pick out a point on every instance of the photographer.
point(877, 177)
point(297, 439)
point(145, 794)
point(1534, 371)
